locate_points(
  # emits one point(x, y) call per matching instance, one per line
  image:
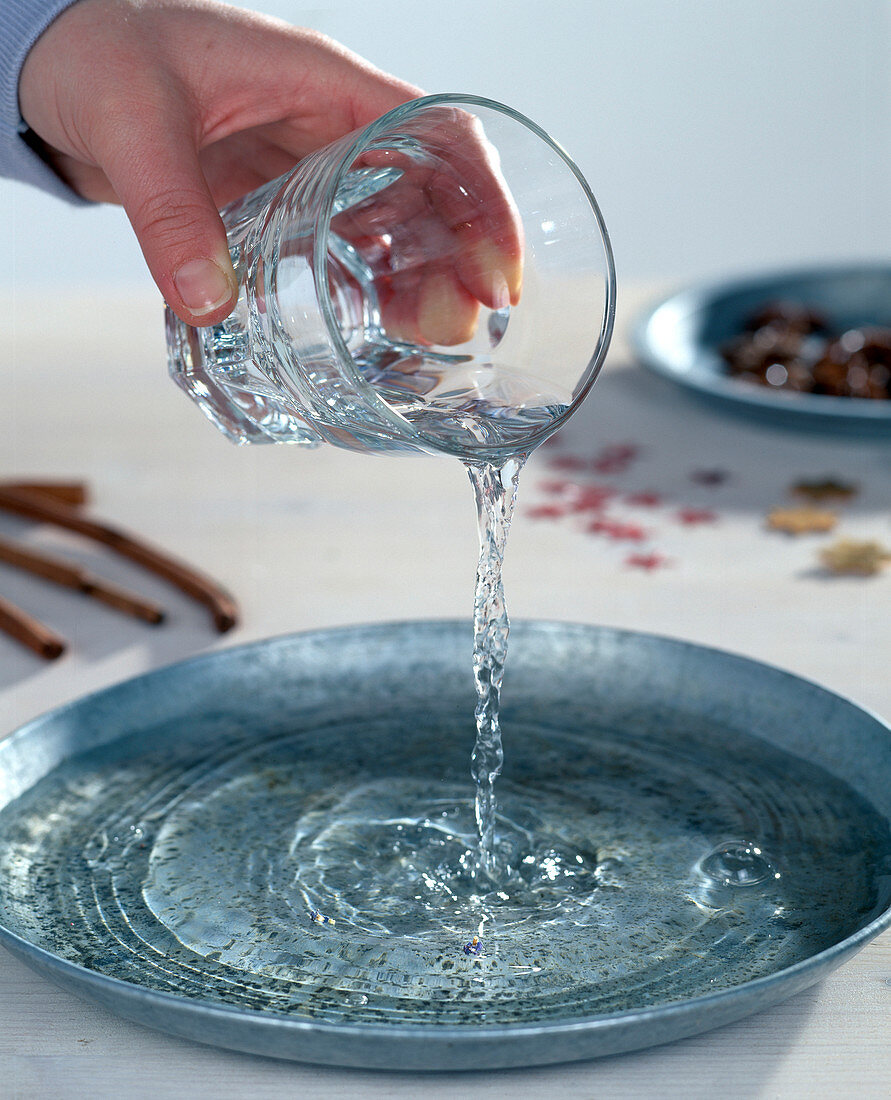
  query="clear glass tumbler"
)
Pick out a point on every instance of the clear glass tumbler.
point(441, 280)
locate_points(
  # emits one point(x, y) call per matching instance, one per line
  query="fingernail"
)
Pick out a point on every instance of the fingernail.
point(500, 291)
point(507, 271)
point(495, 268)
point(203, 286)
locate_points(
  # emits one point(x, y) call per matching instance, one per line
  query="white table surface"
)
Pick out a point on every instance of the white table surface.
point(318, 538)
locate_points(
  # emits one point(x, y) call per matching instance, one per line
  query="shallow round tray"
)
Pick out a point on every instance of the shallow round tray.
point(637, 682)
point(679, 339)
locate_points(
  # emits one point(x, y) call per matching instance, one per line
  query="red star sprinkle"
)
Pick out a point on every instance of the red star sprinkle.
point(646, 561)
point(620, 452)
point(591, 498)
point(556, 486)
point(546, 511)
point(644, 500)
point(614, 530)
point(568, 462)
point(690, 517)
point(616, 458)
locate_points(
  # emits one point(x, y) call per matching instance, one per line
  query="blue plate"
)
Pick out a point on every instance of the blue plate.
point(679, 339)
point(147, 839)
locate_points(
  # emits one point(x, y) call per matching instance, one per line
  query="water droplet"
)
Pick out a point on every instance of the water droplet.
point(738, 863)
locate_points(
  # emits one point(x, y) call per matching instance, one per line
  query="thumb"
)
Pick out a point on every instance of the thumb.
point(160, 183)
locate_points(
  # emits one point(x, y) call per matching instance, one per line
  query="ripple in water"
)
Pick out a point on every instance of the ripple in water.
point(341, 870)
point(624, 877)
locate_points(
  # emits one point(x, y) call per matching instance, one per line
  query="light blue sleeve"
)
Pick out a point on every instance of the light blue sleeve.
point(21, 24)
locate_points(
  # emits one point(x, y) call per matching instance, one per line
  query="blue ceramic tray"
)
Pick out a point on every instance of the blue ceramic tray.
point(168, 804)
point(679, 339)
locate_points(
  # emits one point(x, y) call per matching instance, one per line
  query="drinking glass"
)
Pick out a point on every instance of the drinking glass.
point(439, 281)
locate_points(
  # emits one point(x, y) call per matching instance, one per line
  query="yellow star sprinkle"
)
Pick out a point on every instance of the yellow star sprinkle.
point(862, 559)
point(801, 521)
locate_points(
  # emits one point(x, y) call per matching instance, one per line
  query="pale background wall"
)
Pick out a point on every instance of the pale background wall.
point(719, 135)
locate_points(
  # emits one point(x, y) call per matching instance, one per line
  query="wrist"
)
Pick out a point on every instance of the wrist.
point(22, 24)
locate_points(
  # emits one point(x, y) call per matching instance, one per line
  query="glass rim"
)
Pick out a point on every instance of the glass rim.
point(363, 137)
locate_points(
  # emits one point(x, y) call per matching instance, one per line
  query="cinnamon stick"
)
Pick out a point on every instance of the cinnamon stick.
point(69, 575)
point(31, 505)
point(69, 492)
point(31, 632)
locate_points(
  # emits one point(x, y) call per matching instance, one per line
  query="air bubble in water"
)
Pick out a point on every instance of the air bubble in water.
point(738, 863)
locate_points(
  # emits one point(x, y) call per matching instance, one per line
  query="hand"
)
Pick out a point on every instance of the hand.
point(176, 107)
